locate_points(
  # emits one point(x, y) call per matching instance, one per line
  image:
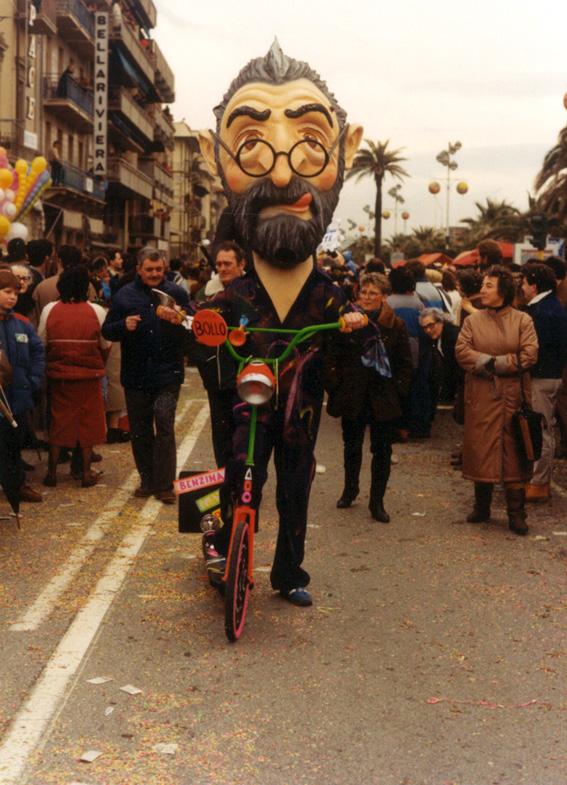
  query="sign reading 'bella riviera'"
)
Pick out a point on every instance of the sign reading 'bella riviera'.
point(101, 93)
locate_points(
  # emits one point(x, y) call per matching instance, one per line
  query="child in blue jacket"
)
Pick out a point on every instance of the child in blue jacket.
point(24, 352)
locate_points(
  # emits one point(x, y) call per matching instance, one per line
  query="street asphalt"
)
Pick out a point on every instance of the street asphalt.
point(434, 653)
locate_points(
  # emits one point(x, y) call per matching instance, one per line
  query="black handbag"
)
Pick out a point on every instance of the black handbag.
point(528, 426)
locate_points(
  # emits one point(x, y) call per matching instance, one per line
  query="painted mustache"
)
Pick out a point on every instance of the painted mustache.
point(265, 194)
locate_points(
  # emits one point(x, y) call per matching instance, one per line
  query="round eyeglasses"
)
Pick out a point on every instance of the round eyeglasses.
point(257, 157)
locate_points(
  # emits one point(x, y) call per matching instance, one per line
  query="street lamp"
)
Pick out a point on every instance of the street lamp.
point(398, 200)
point(446, 159)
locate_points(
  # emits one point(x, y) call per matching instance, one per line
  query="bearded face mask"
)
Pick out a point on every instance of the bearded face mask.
point(281, 148)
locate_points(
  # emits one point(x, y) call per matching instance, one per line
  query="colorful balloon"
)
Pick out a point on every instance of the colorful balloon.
point(17, 231)
point(6, 178)
point(434, 188)
point(405, 215)
point(21, 166)
point(386, 214)
point(9, 210)
point(10, 195)
point(462, 188)
point(4, 226)
point(39, 164)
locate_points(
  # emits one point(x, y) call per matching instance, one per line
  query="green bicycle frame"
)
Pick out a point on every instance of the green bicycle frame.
point(299, 336)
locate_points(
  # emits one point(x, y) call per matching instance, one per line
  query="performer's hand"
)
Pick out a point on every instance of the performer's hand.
point(353, 321)
point(132, 322)
point(168, 314)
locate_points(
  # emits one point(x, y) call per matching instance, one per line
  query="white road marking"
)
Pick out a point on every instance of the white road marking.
point(30, 727)
point(43, 606)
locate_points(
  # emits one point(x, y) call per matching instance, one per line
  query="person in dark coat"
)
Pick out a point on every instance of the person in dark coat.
point(539, 286)
point(152, 370)
point(368, 375)
point(442, 338)
point(216, 368)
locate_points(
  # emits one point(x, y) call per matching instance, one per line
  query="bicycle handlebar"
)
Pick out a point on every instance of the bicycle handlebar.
point(298, 337)
point(211, 329)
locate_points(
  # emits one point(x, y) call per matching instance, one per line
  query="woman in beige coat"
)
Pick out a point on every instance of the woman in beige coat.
point(488, 347)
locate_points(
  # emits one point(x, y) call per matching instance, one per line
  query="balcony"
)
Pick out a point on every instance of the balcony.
point(128, 178)
point(164, 132)
point(76, 24)
point(121, 101)
point(164, 78)
point(11, 138)
point(161, 179)
point(147, 12)
point(145, 226)
point(45, 19)
point(74, 181)
point(138, 53)
point(69, 101)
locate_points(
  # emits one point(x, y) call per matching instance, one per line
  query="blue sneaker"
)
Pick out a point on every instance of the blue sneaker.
point(297, 596)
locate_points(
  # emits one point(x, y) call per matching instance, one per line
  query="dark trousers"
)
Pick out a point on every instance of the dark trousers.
point(221, 403)
point(381, 437)
point(420, 406)
point(295, 467)
point(151, 414)
point(56, 172)
point(12, 475)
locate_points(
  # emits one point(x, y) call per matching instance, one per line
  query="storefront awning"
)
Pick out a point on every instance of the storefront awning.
point(119, 62)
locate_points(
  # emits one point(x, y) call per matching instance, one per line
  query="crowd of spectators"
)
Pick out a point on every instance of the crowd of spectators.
point(86, 348)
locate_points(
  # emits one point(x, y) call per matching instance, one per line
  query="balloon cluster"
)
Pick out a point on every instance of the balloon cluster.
point(20, 187)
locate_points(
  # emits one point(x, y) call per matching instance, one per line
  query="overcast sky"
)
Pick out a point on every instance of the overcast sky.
point(490, 73)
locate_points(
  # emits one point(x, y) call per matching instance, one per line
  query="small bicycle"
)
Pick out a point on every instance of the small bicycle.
point(256, 383)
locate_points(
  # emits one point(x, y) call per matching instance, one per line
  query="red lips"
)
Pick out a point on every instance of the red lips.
point(303, 202)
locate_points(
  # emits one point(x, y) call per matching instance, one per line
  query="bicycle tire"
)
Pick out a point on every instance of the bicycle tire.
point(237, 584)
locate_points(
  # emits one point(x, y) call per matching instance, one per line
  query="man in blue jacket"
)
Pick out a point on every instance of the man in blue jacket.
point(550, 319)
point(25, 353)
point(152, 370)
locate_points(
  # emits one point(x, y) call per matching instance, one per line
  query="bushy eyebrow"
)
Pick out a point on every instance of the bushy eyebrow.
point(248, 111)
point(306, 108)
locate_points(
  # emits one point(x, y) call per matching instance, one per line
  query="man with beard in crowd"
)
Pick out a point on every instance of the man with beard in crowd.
point(281, 147)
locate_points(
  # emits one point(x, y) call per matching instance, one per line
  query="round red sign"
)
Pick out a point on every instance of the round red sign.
point(209, 328)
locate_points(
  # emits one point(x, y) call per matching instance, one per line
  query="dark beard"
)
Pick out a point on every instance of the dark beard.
point(284, 240)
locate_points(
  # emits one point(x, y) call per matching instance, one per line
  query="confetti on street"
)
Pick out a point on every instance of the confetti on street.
point(166, 749)
point(131, 690)
point(90, 756)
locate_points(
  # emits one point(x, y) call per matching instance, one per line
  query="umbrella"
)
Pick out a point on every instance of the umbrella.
point(466, 259)
point(435, 258)
point(10, 464)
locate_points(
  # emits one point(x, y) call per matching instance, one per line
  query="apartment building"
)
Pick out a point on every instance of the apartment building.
point(198, 196)
point(48, 69)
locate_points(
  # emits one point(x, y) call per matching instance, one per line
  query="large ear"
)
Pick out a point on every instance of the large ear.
point(208, 151)
point(352, 143)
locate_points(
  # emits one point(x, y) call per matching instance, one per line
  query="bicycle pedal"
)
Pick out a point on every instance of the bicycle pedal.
point(216, 566)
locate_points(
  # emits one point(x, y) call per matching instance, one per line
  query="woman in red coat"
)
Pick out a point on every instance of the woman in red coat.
point(76, 354)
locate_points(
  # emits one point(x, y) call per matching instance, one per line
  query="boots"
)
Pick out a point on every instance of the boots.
point(482, 502)
point(352, 464)
point(515, 504)
point(380, 474)
point(348, 495)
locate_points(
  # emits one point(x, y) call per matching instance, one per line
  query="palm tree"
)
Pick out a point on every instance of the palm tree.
point(551, 182)
point(377, 161)
point(429, 238)
point(497, 221)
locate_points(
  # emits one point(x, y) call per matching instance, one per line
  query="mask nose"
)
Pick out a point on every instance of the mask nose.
point(281, 174)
